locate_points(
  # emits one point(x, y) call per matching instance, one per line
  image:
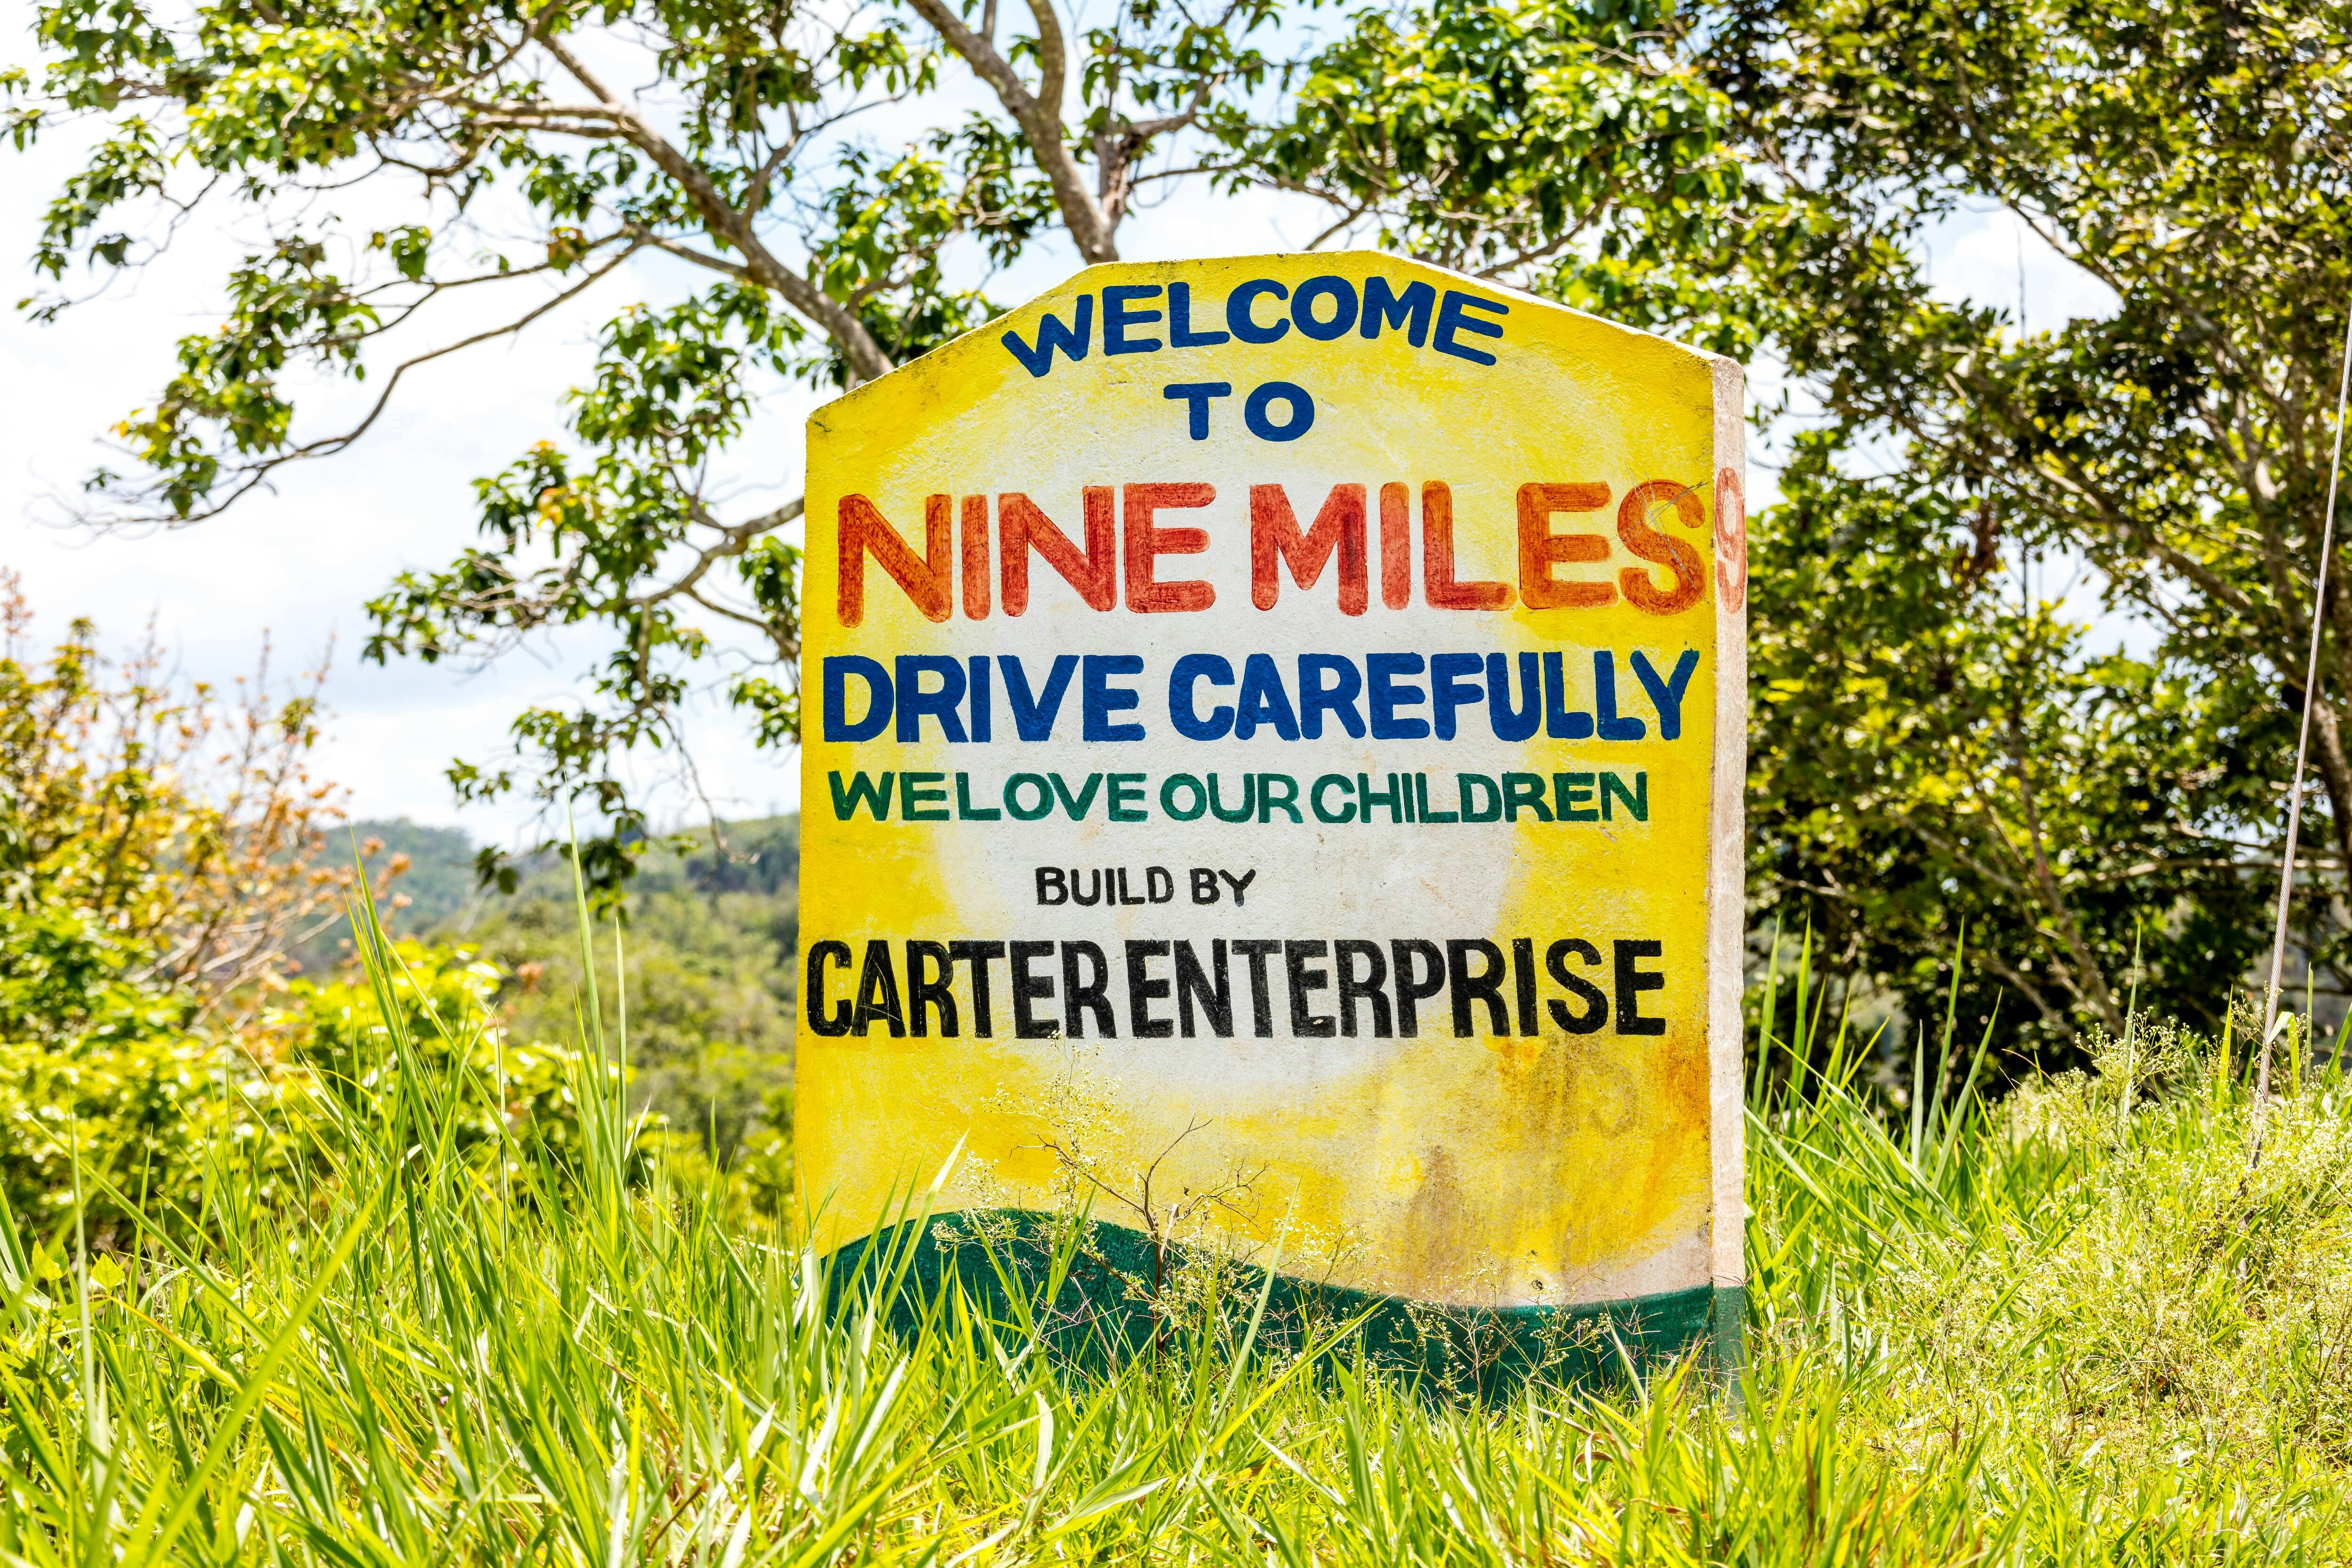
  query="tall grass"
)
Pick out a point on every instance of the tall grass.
point(2067, 1329)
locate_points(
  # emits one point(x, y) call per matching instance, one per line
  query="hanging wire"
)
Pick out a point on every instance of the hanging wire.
point(2302, 754)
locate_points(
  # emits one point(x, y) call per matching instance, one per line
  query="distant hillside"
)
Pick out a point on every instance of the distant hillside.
point(710, 938)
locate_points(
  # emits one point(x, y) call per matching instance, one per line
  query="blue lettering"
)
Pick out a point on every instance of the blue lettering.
point(982, 718)
point(1118, 318)
point(1052, 335)
point(1410, 310)
point(1666, 695)
point(1180, 334)
point(1560, 723)
point(1264, 701)
point(1191, 667)
point(1604, 700)
point(1237, 311)
point(838, 725)
point(1450, 319)
point(1101, 698)
point(1033, 717)
point(1315, 698)
point(1512, 723)
point(1297, 423)
point(1387, 696)
point(1342, 295)
point(1197, 393)
point(1448, 691)
point(914, 701)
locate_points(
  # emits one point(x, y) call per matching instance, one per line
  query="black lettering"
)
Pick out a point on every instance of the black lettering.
point(978, 954)
point(1261, 999)
point(1592, 1004)
point(877, 993)
point(925, 991)
point(1142, 990)
point(1486, 986)
point(1158, 885)
point(1239, 887)
point(833, 1020)
point(1366, 990)
point(1523, 976)
point(1053, 888)
point(1204, 885)
point(1088, 995)
point(1299, 980)
point(1631, 982)
point(1028, 988)
point(1192, 985)
point(1410, 990)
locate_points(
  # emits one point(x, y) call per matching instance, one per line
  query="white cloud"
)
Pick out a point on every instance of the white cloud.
point(1996, 258)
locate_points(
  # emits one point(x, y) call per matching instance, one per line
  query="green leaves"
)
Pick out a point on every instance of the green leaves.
point(1559, 144)
point(2195, 160)
point(1932, 742)
point(584, 538)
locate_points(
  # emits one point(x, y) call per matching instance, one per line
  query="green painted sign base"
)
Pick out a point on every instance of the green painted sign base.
point(1101, 1294)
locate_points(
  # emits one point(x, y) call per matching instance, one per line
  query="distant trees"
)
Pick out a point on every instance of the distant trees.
point(1935, 742)
point(155, 859)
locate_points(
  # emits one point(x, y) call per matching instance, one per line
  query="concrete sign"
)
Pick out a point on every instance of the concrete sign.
point(1283, 717)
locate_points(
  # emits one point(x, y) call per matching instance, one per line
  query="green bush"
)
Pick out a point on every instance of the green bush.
point(504, 1097)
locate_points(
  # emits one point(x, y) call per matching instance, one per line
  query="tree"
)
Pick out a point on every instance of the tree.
point(496, 150)
point(1937, 749)
point(1573, 148)
point(155, 853)
point(2195, 160)
point(153, 844)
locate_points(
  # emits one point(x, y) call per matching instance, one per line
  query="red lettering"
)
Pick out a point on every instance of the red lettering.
point(1437, 584)
point(1730, 541)
point(1273, 536)
point(1633, 528)
point(1145, 543)
point(1020, 526)
point(862, 531)
point(1396, 546)
point(1540, 548)
point(975, 558)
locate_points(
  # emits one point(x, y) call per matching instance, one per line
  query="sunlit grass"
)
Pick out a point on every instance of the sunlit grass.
point(2070, 1327)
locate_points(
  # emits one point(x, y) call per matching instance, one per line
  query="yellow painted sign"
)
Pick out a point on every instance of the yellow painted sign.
point(1282, 717)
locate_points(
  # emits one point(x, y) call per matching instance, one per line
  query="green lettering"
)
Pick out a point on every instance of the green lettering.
point(1571, 797)
point(915, 796)
point(876, 797)
point(1637, 799)
point(1077, 807)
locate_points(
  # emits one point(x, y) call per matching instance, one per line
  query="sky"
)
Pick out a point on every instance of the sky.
point(293, 567)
